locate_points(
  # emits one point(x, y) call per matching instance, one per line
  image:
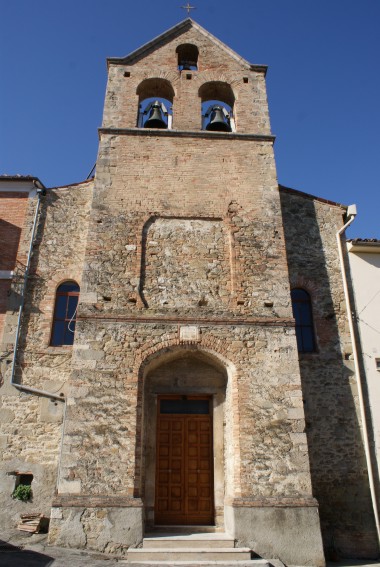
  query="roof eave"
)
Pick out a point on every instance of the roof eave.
point(313, 197)
point(23, 178)
point(146, 46)
point(363, 246)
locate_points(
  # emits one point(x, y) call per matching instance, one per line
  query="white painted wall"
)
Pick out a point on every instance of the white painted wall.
point(365, 271)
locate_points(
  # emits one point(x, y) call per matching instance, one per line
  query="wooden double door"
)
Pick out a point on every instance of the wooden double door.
point(184, 493)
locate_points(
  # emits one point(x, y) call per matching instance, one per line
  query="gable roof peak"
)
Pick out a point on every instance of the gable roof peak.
point(170, 34)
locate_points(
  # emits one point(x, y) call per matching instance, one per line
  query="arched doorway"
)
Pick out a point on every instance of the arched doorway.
point(184, 479)
point(185, 437)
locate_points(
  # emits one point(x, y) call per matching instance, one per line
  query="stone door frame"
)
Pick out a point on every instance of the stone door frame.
point(218, 388)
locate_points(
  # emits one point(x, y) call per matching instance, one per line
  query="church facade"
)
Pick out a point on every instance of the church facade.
point(155, 375)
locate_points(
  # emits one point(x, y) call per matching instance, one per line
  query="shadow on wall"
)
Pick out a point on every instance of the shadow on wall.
point(11, 556)
point(9, 238)
point(337, 462)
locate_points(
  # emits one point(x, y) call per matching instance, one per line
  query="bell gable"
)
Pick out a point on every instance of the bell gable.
point(183, 33)
point(198, 80)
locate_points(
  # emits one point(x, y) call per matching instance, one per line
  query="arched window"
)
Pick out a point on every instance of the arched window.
point(302, 313)
point(217, 107)
point(155, 104)
point(65, 313)
point(187, 57)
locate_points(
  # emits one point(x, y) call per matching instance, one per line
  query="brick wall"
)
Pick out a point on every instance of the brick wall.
point(214, 64)
point(13, 207)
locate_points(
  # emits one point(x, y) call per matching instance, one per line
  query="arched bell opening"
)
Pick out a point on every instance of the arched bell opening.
point(155, 104)
point(217, 107)
point(187, 392)
point(187, 57)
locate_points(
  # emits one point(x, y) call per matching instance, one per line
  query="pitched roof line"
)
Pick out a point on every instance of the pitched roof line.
point(309, 196)
point(182, 26)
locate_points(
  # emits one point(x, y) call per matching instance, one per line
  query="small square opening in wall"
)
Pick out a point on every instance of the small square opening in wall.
point(377, 361)
point(245, 79)
point(24, 478)
point(188, 76)
point(127, 74)
point(23, 486)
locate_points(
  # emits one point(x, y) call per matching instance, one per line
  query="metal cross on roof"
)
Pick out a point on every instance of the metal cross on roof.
point(188, 7)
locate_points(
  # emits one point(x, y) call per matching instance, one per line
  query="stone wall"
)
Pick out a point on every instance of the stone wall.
point(31, 425)
point(105, 396)
point(199, 180)
point(333, 423)
point(185, 259)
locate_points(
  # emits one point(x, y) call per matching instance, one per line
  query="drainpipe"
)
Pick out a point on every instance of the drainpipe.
point(40, 193)
point(351, 213)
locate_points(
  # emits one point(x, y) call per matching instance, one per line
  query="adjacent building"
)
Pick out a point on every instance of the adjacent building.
point(364, 265)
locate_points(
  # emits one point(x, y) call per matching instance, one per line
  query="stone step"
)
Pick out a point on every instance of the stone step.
point(169, 541)
point(250, 563)
point(189, 554)
point(184, 530)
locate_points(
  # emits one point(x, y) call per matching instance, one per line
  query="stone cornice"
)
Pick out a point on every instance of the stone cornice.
point(95, 501)
point(204, 321)
point(273, 502)
point(185, 134)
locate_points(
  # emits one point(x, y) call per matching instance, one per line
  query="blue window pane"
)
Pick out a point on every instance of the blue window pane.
point(69, 333)
point(299, 338)
point(307, 339)
point(303, 316)
point(60, 307)
point(303, 313)
point(72, 305)
point(297, 312)
point(306, 315)
point(65, 314)
point(300, 294)
point(57, 338)
point(68, 286)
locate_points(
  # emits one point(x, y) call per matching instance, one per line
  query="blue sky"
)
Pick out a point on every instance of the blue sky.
point(323, 85)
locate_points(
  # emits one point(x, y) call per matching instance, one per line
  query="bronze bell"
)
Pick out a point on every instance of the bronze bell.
point(156, 119)
point(218, 121)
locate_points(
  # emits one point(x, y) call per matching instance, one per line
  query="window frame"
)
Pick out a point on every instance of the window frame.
point(67, 320)
point(305, 331)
